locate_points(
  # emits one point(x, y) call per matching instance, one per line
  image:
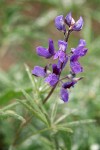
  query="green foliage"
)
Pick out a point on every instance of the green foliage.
point(25, 123)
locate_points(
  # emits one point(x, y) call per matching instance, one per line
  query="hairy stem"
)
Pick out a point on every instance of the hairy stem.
point(50, 93)
point(44, 101)
point(67, 37)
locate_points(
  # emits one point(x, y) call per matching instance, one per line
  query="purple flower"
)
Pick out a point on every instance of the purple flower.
point(61, 53)
point(67, 85)
point(75, 65)
point(62, 65)
point(78, 25)
point(69, 20)
point(82, 42)
point(64, 95)
point(47, 53)
point(74, 26)
point(62, 45)
point(56, 69)
point(39, 71)
point(52, 79)
point(59, 23)
point(52, 72)
point(78, 52)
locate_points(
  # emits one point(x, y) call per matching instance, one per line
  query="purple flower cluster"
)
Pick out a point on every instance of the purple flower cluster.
point(61, 22)
point(53, 76)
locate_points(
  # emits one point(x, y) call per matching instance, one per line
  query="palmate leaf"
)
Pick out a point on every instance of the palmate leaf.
point(79, 122)
point(52, 129)
point(54, 111)
point(62, 128)
point(36, 113)
point(36, 105)
point(10, 113)
point(12, 105)
point(32, 80)
point(60, 119)
point(67, 145)
point(31, 136)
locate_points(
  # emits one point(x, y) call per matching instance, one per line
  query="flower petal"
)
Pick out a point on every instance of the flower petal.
point(69, 20)
point(55, 69)
point(62, 65)
point(41, 51)
point(51, 47)
point(64, 95)
point(56, 55)
point(52, 79)
point(78, 25)
point(60, 55)
point(59, 23)
point(80, 50)
point(75, 65)
point(82, 42)
point(68, 84)
point(62, 45)
point(39, 71)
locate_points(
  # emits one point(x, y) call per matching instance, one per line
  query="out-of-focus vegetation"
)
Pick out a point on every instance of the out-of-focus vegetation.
point(25, 24)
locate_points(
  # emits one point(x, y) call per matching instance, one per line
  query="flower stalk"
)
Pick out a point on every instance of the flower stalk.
point(62, 57)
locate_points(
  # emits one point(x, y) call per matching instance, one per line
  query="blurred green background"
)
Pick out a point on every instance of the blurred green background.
point(26, 24)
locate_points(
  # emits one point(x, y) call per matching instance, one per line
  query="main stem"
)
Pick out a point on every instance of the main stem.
point(51, 91)
point(44, 101)
point(67, 37)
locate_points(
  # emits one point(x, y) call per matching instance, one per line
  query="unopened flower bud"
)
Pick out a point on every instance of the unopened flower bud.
point(78, 25)
point(59, 23)
point(69, 20)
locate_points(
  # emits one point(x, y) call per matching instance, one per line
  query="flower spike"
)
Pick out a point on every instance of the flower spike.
point(53, 76)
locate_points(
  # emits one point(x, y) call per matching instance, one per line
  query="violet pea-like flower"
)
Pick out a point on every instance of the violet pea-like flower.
point(61, 53)
point(69, 20)
point(59, 23)
point(74, 26)
point(78, 25)
point(53, 77)
point(65, 86)
point(39, 71)
point(78, 52)
point(64, 92)
point(64, 95)
point(52, 72)
point(44, 52)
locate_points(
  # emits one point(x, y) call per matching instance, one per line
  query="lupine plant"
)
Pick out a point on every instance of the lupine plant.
point(54, 77)
point(34, 98)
